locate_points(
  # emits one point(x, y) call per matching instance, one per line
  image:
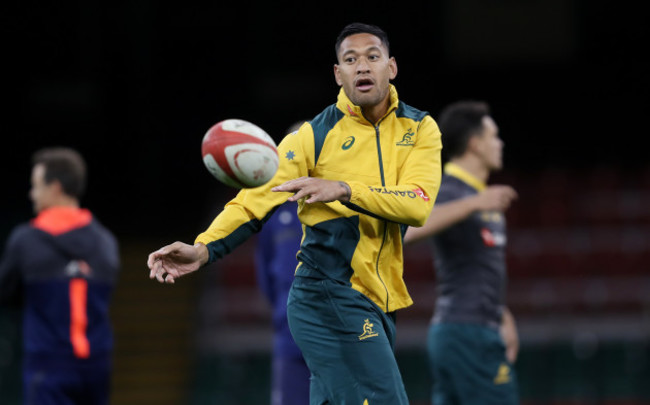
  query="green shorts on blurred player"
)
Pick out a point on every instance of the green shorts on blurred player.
point(469, 366)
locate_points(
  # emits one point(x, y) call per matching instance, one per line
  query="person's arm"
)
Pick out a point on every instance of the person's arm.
point(242, 217)
point(176, 260)
point(409, 202)
point(444, 215)
point(10, 277)
point(509, 335)
point(314, 190)
point(245, 214)
point(264, 256)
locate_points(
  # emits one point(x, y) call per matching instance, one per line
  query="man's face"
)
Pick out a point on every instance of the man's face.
point(41, 193)
point(489, 145)
point(364, 69)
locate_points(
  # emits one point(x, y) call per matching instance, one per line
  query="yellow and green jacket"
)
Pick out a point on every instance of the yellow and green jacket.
point(393, 169)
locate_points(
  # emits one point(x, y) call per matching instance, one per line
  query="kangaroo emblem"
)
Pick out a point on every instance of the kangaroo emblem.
point(367, 330)
point(407, 139)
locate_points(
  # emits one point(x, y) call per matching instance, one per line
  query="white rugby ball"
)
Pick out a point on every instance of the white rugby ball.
point(239, 153)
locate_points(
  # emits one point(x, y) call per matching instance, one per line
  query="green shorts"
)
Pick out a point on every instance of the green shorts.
point(468, 366)
point(347, 342)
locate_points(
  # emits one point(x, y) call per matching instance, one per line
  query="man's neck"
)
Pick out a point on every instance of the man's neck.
point(473, 166)
point(375, 113)
point(65, 202)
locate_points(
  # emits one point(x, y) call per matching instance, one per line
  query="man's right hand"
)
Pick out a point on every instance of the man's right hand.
point(176, 260)
point(314, 189)
point(496, 198)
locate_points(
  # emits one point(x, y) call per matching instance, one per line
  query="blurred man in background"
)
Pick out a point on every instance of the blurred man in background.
point(63, 266)
point(472, 340)
point(275, 263)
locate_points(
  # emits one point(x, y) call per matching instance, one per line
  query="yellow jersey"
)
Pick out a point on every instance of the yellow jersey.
point(393, 169)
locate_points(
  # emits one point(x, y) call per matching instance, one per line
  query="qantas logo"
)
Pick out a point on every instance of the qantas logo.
point(419, 192)
point(351, 111)
point(408, 193)
point(492, 239)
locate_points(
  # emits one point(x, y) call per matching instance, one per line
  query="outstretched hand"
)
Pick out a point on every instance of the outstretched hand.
point(315, 190)
point(175, 260)
point(496, 198)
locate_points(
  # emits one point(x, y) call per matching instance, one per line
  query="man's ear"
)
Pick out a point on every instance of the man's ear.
point(56, 187)
point(473, 143)
point(337, 75)
point(392, 65)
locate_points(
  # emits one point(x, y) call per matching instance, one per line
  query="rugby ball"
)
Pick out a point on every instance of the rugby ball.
point(239, 154)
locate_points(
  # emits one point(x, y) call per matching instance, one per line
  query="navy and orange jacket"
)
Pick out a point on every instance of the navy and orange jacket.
point(66, 264)
point(393, 169)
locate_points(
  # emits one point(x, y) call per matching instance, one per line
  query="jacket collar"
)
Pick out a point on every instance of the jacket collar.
point(58, 220)
point(454, 170)
point(353, 111)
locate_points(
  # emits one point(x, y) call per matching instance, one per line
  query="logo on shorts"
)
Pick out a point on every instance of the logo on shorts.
point(503, 375)
point(368, 332)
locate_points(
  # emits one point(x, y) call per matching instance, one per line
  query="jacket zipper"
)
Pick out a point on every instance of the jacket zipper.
point(383, 241)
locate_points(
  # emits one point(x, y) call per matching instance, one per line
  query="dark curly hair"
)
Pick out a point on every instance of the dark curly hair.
point(361, 28)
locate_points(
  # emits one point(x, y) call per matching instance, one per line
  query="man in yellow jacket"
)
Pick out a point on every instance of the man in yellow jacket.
point(362, 171)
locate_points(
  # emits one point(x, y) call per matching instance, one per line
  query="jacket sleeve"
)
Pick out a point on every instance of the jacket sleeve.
point(10, 272)
point(245, 214)
point(409, 201)
point(264, 256)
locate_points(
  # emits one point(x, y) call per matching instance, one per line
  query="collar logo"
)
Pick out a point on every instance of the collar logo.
point(407, 139)
point(349, 141)
point(368, 332)
point(351, 111)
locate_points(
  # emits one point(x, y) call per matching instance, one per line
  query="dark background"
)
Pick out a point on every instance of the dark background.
point(134, 86)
